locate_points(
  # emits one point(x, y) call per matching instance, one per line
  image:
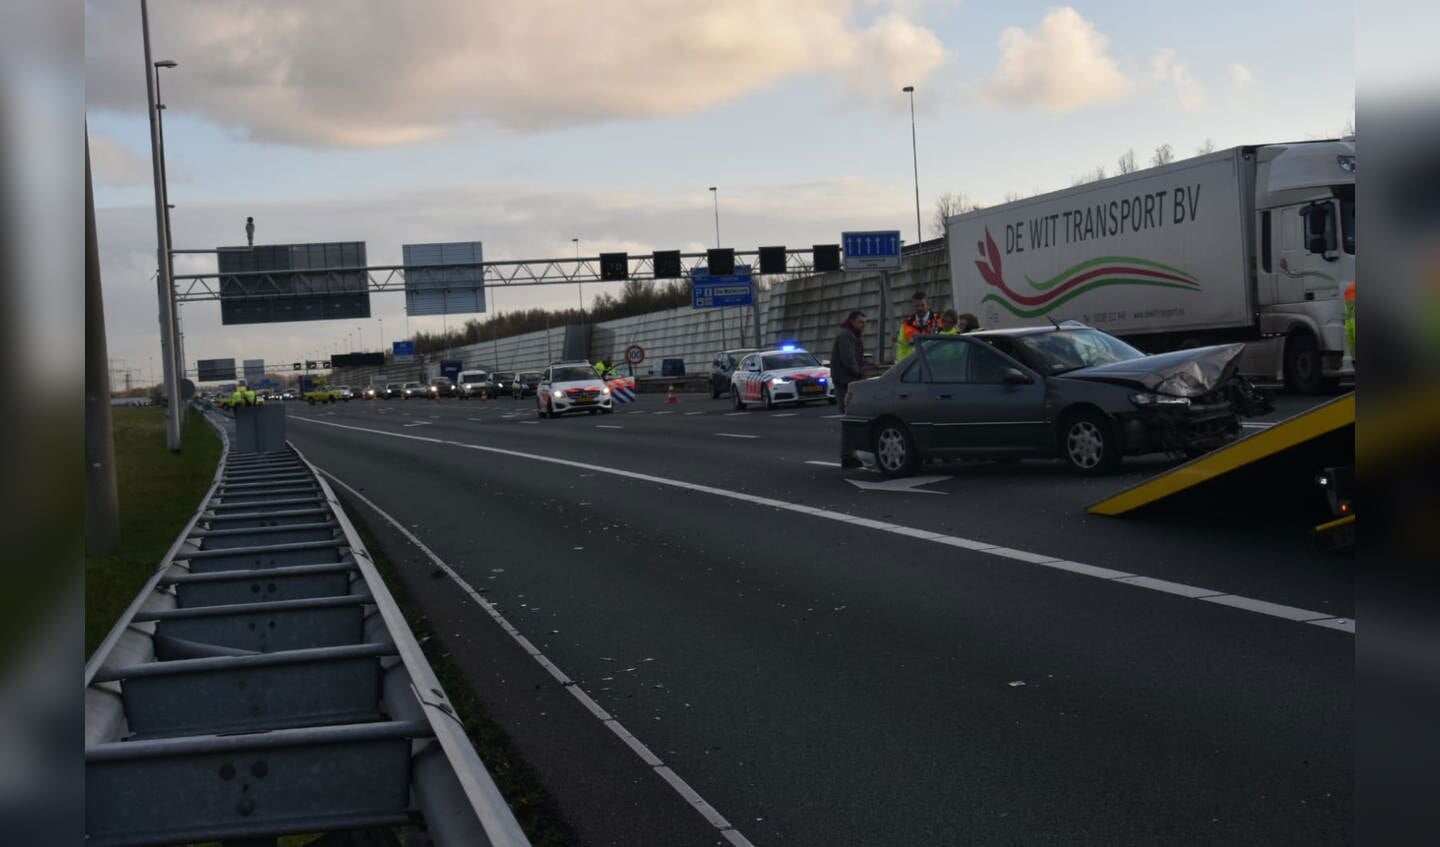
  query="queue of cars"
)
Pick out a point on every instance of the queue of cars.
point(1067, 391)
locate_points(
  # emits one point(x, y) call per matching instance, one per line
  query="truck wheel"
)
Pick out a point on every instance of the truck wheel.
point(1303, 371)
point(1088, 443)
point(895, 450)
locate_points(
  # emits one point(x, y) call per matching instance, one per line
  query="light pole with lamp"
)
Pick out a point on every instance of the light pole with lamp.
point(915, 163)
point(579, 286)
point(715, 196)
point(179, 334)
point(165, 292)
point(360, 333)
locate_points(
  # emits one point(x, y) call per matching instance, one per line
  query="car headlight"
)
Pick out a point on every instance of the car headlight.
point(780, 380)
point(558, 394)
point(1150, 400)
point(605, 391)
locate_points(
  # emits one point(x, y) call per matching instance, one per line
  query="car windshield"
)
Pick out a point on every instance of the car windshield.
point(412, 385)
point(504, 377)
point(472, 378)
point(797, 359)
point(573, 374)
point(530, 377)
point(1071, 349)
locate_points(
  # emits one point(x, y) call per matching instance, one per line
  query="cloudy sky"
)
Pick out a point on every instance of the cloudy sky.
point(526, 123)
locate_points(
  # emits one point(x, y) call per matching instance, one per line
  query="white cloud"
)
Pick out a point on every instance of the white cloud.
point(891, 54)
point(1061, 65)
point(112, 163)
point(375, 72)
point(1167, 71)
point(1241, 76)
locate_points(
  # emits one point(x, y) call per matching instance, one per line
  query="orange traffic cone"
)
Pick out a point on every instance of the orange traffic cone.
point(671, 399)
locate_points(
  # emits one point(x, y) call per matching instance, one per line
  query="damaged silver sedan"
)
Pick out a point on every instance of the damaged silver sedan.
point(1068, 391)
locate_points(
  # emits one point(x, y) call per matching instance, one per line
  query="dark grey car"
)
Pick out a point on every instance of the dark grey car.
point(1068, 392)
point(722, 366)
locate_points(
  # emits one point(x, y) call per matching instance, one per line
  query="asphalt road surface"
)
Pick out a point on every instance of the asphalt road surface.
point(799, 659)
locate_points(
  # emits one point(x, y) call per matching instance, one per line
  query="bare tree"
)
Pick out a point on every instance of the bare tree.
point(1164, 155)
point(1012, 196)
point(947, 206)
point(1126, 162)
point(1207, 148)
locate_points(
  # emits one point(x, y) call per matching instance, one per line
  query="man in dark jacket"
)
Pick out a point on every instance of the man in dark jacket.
point(847, 355)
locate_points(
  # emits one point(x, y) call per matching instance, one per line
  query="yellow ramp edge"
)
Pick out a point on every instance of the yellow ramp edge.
point(1288, 433)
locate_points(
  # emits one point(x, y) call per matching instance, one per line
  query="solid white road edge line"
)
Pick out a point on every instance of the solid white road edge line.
point(1248, 604)
point(646, 755)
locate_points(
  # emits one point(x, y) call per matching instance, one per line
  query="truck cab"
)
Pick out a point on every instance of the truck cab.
point(1305, 257)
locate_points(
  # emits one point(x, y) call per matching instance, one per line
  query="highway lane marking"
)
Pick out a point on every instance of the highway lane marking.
point(735, 435)
point(530, 422)
point(1257, 425)
point(645, 754)
point(608, 426)
point(832, 417)
point(668, 412)
point(1248, 604)
point(785, 415)
point(733, 414)
point(688, 414)
point(823, 464)
point(474, 419)
point(417, 423)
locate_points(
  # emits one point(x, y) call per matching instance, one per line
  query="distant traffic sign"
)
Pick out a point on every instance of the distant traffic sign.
point(718, 292)
point(634, 354)
point(872, 251)
point(403, 351)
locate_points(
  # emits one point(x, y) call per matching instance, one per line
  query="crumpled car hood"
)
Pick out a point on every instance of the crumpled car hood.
point(1182, 373)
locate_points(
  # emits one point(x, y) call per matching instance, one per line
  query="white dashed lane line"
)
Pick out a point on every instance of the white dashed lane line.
point(646, 755)
point(735, 435)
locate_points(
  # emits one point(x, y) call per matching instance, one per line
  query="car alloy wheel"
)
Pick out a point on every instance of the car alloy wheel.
point(735, 399)
point(1088, 444)
point(894, 452)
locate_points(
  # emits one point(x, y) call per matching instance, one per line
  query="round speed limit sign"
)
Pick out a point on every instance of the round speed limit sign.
point(634, 354)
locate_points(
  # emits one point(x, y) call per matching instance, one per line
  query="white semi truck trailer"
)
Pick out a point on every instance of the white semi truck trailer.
point(1253, 244)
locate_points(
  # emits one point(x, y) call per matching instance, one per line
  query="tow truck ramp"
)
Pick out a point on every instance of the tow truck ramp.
point(265, 683)
point(1273, 460)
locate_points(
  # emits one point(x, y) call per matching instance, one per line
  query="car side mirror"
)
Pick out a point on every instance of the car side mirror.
point(1015, 376)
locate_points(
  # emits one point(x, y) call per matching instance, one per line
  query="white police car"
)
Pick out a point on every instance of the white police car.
point(572, 387)
point(787, 375)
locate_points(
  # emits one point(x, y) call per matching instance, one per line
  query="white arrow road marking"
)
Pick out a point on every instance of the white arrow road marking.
point(908, 485)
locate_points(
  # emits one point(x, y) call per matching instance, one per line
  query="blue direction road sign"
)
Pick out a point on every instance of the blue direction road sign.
point(403, 351)
point(718, 292)
point(872, 251)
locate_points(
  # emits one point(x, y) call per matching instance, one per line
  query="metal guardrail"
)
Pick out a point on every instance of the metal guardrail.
point(264, 682)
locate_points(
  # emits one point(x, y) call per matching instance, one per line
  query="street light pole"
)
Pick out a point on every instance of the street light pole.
point(915, 162)
point(360, 332)
point(164, 290)
point(579, 286)
point(179, 336)
point(715, 195)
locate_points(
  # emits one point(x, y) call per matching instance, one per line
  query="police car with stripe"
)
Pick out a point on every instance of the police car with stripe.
point(572, 387)
point(786, 375)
